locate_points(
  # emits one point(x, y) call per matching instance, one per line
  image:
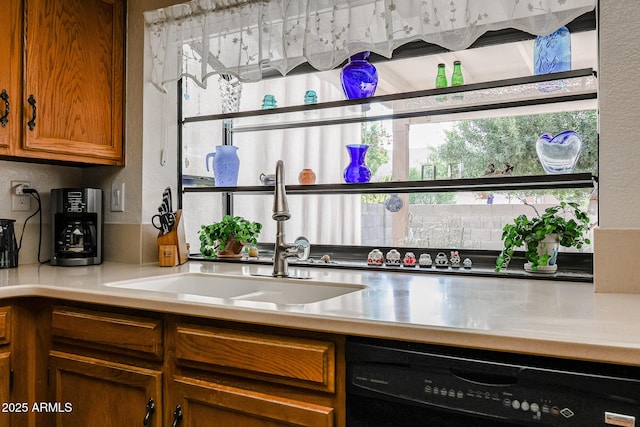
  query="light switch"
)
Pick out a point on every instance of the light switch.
point(117, 197)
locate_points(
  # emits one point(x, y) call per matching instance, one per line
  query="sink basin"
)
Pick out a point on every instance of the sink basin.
point(242, 288)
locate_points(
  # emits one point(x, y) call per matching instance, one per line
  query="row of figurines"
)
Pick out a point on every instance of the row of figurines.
point(393, 259)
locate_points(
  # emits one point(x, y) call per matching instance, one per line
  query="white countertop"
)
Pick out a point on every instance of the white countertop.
point(542, 317)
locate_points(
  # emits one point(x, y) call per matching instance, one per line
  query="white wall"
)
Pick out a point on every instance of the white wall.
point(617, 241)
point(619, 114)
point(43, 178)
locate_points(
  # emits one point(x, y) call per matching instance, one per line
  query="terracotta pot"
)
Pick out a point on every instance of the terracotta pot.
point(232, 249)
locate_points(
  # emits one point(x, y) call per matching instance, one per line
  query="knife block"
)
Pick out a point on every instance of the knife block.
point(172, 247)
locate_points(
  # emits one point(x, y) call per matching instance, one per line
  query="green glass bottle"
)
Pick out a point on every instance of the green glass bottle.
point(456, 77)
point(441, 77)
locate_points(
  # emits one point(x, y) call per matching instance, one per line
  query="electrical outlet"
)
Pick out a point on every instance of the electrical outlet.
point(20, 202)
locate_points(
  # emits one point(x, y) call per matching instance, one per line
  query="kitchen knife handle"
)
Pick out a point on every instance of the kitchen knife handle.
point(151, 409)
point(32, 123)
point(5, 97)
point(177, 416)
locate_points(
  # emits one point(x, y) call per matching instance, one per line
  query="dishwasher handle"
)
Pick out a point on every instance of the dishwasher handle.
point(484, 378)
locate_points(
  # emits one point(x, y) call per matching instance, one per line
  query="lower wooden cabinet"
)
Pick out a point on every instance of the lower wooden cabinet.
point(94, 392)
point(5, 390)
point(6, 399)
point(114, 367)
point(234, 376)
point(209, 404)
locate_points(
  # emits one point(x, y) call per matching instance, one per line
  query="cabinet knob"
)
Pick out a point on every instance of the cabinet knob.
point(5, 97)
point(32, 123)
point(151, 409)
point(177, 416)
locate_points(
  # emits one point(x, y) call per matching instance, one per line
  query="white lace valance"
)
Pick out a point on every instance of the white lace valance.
point(243, 37)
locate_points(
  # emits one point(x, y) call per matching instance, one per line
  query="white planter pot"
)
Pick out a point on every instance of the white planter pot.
point(549, 246)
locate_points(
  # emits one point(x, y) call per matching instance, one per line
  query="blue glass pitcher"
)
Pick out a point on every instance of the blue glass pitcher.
point(225, 165)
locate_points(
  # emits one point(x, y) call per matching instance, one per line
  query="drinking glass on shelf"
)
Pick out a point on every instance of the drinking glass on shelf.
point(428, 172)
point(455, 170)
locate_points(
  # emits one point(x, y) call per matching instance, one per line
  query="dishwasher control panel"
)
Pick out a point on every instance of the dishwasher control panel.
point(509, 391)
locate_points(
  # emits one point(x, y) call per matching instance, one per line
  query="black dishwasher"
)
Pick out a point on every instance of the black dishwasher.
point(399, 384)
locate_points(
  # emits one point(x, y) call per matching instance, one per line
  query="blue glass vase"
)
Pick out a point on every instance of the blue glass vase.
point(359, 77)
point(552, 53)
point(357, 171)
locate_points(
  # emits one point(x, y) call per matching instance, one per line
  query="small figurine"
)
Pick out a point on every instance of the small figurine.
point(326, 258)
point(425, 260)
point(393, 258)
point(455, 259)
point(253, 252)
point(491, 169)
point(375, 258)
point(508, 169)
point(409, 260)
point(441, 260)
point(467, 263)
point(267, 179)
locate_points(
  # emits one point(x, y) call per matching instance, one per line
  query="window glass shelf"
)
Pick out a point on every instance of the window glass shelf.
point(567, 86)
point(497, 183)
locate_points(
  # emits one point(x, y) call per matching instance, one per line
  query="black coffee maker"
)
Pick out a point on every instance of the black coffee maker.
point(76, 226)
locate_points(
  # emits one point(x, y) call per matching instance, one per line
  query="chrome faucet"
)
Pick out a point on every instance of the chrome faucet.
point(281, 214)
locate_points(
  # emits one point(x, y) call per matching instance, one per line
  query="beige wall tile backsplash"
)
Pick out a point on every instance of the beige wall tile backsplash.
point(615, 267)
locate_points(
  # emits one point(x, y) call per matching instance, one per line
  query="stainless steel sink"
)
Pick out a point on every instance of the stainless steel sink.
point(242, 288)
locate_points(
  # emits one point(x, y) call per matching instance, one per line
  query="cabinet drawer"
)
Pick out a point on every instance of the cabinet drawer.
point(289, 360)
point(109, 331)
point(224, 405)
point(5, 325)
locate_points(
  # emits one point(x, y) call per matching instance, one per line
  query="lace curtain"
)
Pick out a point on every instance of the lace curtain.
point(243, 37)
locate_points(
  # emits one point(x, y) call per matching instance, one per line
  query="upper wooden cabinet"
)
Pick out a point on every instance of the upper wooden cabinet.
point(69, 105)
point(10, 72)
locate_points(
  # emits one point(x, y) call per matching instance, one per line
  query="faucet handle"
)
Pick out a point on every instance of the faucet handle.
point(302, 247)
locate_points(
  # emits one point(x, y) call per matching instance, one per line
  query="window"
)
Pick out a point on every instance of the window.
point(407, 149)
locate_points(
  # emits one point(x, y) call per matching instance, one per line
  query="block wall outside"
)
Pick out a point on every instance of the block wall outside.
point(472, 226)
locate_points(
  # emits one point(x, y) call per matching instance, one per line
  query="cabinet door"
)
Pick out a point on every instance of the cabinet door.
point(94, 392)
point(5, 390)
point(207, 404)
point(74, 73)
point(10, 69)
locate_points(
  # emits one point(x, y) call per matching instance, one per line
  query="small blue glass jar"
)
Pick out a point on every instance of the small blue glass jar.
point(269, 102)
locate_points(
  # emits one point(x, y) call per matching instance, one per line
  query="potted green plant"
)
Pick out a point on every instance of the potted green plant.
point(562, 225)
point(227, 237)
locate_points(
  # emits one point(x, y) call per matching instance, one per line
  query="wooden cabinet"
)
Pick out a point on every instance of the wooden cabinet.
point(210, 404)
point(69, 106)
point(105, 368)
point(116, 367)
point(233, 377)
point(10, 74)
point(5, 367)
point(91, 391)
point(5, 388)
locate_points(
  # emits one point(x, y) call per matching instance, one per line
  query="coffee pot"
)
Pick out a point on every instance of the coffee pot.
point(77, 228)
point(8, 244)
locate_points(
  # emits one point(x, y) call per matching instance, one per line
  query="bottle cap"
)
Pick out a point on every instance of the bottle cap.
point(457, 62)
